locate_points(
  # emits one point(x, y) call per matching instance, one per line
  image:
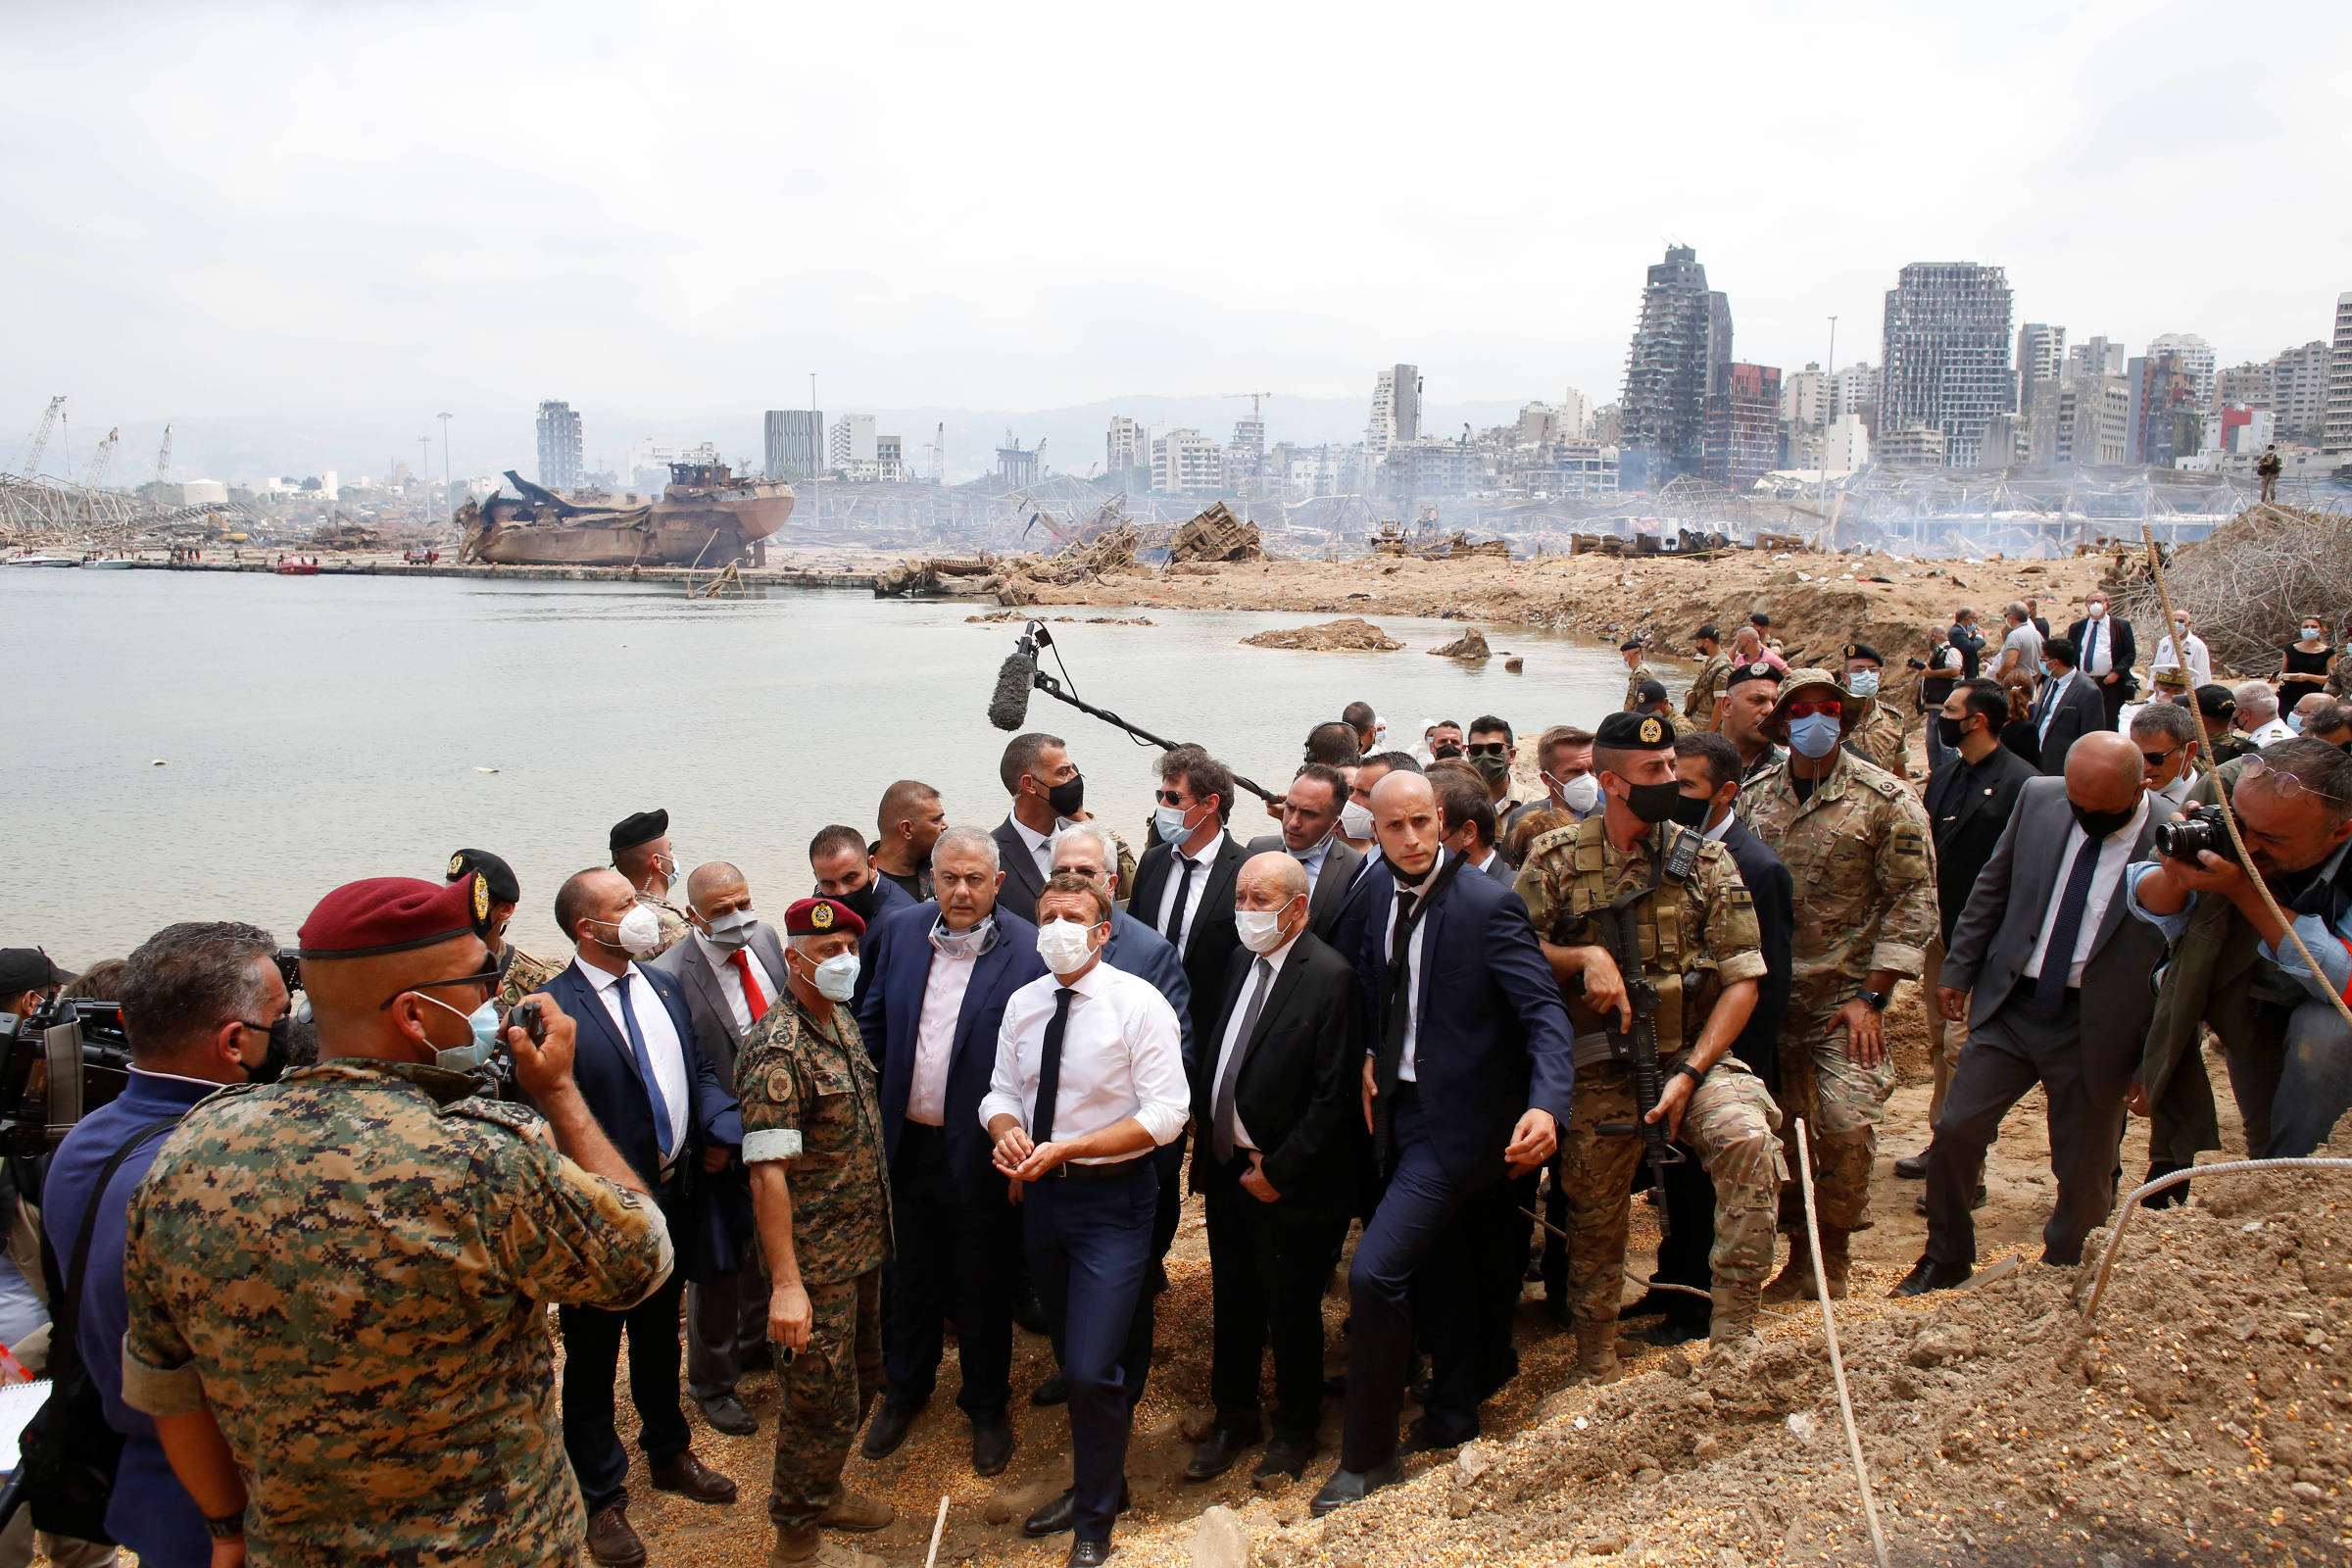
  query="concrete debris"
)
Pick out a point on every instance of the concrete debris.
point(1471, 648)
point(1216, 536)
point(1353, 634)
point(1220, 1539)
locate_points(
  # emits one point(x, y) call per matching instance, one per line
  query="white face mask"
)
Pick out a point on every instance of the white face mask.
point(639, 932)
point(1260, 929)
point(1579, 794)
point(1355, 820)
point(1064, 945)
point(836, 979)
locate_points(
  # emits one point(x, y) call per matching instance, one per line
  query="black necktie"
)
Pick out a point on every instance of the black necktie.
point(1049, 1071)
point(2049, 990)
point(1400, 983)
point(1184, 885)
point(1220, 1115)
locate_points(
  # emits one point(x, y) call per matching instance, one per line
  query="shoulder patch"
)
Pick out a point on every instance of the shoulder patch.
point(1546, 843)
point(1883, 782)
point(1711, 849)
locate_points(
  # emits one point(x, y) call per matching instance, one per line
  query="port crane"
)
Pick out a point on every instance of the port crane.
point(31, 464)
point(99, 463)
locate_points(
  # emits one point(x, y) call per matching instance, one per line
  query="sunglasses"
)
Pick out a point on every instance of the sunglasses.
point(1489, 748)
point(1176, 798)
point(1832, 707)
point(491, 976)
point(2156, 759)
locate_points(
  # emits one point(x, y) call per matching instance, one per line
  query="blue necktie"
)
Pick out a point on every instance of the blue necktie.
point(645, 1067)
point(2049, 988)
point(2090, 640)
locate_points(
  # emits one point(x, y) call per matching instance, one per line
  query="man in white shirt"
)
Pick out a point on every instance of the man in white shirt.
point(2199, 657)
point(1088, 1081)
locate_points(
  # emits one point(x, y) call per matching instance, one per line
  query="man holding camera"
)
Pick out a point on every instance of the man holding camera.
point(337, 1282)
point(2233, 966)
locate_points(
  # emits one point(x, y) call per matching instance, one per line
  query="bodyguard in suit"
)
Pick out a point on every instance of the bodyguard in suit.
point(1048, 792)
point(1466, 1078)
point(2052, 976)
point(1183, 883)
point(942, 974)
point(1310, 822)
point(2067, 707)
point(2107, 654)
point(844, 873)
point(732, 969)
point(1277, 1104)
point(659, 1099)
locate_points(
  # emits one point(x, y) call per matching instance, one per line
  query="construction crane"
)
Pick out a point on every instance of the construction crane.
point(98, 463)
point(31, 465)
point(162, 462)
point(1256, 398)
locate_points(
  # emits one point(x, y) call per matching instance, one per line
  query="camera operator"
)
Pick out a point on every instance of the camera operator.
point(203, 1005)
point(2289, 1050)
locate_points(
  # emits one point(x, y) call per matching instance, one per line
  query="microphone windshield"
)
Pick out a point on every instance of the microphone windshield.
point(1009, 707)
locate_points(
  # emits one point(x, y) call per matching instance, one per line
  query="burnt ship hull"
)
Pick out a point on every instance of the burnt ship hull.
point(706, 518)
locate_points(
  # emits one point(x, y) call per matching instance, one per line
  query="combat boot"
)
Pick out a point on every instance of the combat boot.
point(854, 1510)
point(1733, 1323)
point(805, 1546)
point(1597, 1352)
point(1796, 1278)
point(1833, 1260)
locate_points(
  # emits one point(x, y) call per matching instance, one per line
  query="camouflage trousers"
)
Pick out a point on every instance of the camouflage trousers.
point(827, 1389)
point(1842, 1103)
point(1729, 1123)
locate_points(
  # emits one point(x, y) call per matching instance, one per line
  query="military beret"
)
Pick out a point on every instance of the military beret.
point(2215, 702)
point(1633, 732)
point(1628, 645)
point(2171, 677)
point(503, 889)
point(641, 827)
point(1706, 633)
point(815, 917)
point(1759, 670)
point(28, 969)
point(1650, 691)
point(1855, 650)
point(395, 915)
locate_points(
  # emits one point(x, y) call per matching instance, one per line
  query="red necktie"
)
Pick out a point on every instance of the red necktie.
point(753, 997)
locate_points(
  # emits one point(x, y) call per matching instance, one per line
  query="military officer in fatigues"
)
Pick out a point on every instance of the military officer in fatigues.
point(1637, 669)
point(642, 853)
point(1706, 687)
point(1856, 843)
point(812, 1138)
point(521, 974)
point(1700, 951)
point(1878, 735)
point(338, 1282)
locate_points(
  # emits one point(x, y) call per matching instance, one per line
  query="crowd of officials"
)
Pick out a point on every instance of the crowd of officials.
point(302, 1264)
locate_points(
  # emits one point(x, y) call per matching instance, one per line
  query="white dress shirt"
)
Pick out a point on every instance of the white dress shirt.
point(1721, 828)
point(2106, 878)
point(1407, 1069)
point(2052, 695)
point(1191, 886)
point(654, 1027)
point(1122, 1057)
point(2200, 659)
point(730, 980)
point(1232, 1031)
point(2098, 647)
point(935, 1035)
point(1312, 862)
point(1041, 845)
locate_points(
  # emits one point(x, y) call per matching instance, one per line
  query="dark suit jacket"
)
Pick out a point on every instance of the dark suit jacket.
point(714, 1020)
point(1023, 882)
point(1299, 1086)
point(898, 954)
point(606, 1070)
point(1211, 941)
point(1774, 894)
point(1997, 930)
point(1355, 909)
point(1494, 1038)
point(2080, 710)
point(1145, 953)
point(2124, 654)
point(1967, 809)
point(1330, 896)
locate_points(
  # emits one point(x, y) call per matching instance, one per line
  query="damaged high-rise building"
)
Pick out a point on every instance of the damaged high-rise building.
point(1947, 366)
point(1679, 355)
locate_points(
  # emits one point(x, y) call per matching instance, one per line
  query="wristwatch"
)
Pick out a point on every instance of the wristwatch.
point(1875, 1001)
point(228, 1527)
point(1697, 1075)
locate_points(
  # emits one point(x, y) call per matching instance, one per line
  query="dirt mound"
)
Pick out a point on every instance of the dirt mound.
point(1353, 633)
point(1471, 646)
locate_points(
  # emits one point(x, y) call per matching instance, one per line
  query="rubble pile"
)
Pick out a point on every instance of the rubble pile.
point(1353, 633)
point(2249, 582)
point(1216, 536)
point(1471, 648)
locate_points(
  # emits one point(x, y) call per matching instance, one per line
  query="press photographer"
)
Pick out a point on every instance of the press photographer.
point(2232, 965)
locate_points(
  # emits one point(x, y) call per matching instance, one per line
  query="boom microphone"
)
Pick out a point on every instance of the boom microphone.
point(1009, 707)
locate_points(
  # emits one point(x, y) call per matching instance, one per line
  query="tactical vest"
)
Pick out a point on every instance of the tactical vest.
point(1665, 958)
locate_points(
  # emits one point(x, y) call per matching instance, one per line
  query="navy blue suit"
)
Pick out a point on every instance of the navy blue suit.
point(951, 1211)
point(1144, 953)
point(1492, 1043)
point(606, 1070)
point(149, 1512)
point(888, 900)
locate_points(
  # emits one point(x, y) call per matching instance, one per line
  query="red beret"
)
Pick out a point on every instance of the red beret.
point(394, 914)
point(815, 917)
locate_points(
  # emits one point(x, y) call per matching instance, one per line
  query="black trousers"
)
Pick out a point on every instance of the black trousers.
point(1689, 1198)
point(1466, 1295)
point(953, 1261)
point(1267, 1266)
point(1135, 1356)
point(591, 1361)
point(2112, 698)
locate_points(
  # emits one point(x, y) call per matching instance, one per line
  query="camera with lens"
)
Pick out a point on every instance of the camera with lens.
point(63, 1060)
point(2202, 828)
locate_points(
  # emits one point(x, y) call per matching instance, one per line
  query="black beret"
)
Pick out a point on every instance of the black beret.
point(503, 889)
point(2215, 702)
point(642, 828)
point(1759, 670)
point(1634, 732)
point(1863, 651)
point(1650, 691)
point(1628, 645)
point(1707, 632)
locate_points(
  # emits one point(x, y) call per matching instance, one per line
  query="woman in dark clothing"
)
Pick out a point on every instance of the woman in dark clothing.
point(2305, 670)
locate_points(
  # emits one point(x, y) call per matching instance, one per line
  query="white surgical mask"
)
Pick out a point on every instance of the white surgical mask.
point(639, 931)
point(1579, 794)
point(1355, 820)
point(1063, 946)
point(836, 979)
point(1260, 929)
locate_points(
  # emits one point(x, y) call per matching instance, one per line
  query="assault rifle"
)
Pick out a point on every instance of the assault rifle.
point(1638, 1048)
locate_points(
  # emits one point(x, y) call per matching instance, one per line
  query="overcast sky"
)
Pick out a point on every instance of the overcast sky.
point(237, 210)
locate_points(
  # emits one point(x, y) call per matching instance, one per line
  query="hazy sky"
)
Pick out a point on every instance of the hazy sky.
point(226, 210)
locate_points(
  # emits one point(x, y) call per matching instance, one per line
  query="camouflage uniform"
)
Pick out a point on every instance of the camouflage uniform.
point(524, 975)
point(351, 1269)
point(1571, 873)
point(810, 1098)
point(1706, 690)
point(1865, 873)
point(673, 926)
point(1633, 684)
point(1880, 739)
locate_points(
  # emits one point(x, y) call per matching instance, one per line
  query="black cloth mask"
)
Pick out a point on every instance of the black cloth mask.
point(1068, 797)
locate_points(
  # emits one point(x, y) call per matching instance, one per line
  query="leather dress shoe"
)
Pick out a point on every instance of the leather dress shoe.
point(1925, 1276)
point(1055, 1390)
point(1284, 1457)
point(1220, 1451)
point(1054, 1517)
point(610, 1541)
point(1913, 1167)
point(888, 1429)
point(688, 1476)
point(992, 1446)
point(726, 1413)
point(1353, 1485)
point(1028, 1312)
point(1089, 1553)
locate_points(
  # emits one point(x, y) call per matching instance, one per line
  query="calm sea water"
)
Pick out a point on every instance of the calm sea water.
point(316, 730)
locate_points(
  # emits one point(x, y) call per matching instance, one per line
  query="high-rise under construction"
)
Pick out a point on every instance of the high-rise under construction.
point(1677, 359)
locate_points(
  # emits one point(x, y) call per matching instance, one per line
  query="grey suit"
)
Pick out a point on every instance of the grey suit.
point(2084, 1058)
point(1330, 896)
point(726, 1319)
